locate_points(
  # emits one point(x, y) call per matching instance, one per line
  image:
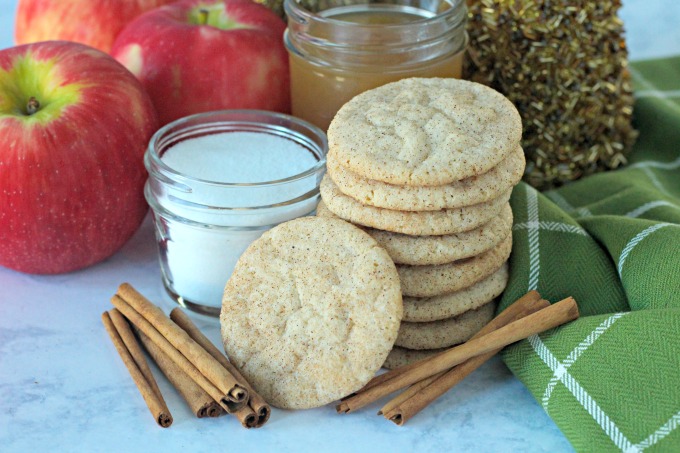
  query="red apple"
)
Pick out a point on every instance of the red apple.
point(201, 55)
point(92, 22)
point(74, 125)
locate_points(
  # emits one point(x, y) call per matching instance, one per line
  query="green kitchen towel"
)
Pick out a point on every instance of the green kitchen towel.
point(611, 379)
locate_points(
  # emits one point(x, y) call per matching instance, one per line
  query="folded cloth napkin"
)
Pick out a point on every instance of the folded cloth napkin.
point(611, 379)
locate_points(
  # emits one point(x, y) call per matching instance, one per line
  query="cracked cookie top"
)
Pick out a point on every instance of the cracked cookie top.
point(424, 132)
point(311, 311)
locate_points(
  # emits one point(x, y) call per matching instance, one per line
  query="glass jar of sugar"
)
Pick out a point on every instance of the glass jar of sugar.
point(217, 181)
point(340, 48)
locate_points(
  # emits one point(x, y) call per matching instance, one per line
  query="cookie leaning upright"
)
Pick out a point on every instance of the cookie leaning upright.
point(311, 311)
point(424, 132)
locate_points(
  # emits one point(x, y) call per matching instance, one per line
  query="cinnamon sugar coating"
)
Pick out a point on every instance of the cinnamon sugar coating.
point(424, 131)
point(311, 311)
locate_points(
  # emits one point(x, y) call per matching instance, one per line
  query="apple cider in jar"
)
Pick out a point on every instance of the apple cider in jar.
point(340, 48)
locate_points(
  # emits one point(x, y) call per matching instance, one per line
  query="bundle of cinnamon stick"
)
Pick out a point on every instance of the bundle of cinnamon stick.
point(432, 377)
point(201, 373)
point(212, 385)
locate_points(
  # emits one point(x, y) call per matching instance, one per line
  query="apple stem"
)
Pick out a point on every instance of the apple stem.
point(32, 106)
point(204, 16)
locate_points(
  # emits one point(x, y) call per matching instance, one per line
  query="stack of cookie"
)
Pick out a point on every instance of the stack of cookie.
point(426, 167)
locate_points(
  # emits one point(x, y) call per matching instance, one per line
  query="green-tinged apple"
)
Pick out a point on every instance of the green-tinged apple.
point(200, 55)
point(92, 22)
point(74, 125)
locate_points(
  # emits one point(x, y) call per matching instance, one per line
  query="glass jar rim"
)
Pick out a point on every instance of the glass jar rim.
point(293, 8)
point(164, 169)
point(162, 210)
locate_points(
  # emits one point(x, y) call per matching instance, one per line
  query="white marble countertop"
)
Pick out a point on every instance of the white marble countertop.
point(63, 388)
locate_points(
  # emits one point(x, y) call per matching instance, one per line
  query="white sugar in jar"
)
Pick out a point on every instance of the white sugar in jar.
point(217, 181)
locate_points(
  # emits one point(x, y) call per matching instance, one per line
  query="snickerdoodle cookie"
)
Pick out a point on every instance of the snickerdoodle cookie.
point(424, 223)
point(424, 131)
point(426, 309)
point(428, 281)
point(466, 192)
point(447, 332)
point(311, 311)
point(399, 357)
point(424, 250)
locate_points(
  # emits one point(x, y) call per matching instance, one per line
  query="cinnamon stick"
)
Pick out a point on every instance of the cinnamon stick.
point(235, 394)
point(201, 404)
point(420, 395)
point(153, 400)
point(258, 411)
point(125, 332)
point(520, 308)
point(547, 318)
point(409, 393)
point(194, 373)
point(525, 305)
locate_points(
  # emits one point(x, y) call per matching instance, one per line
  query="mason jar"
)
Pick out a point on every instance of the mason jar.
point(204, 223)
point(340, 48)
